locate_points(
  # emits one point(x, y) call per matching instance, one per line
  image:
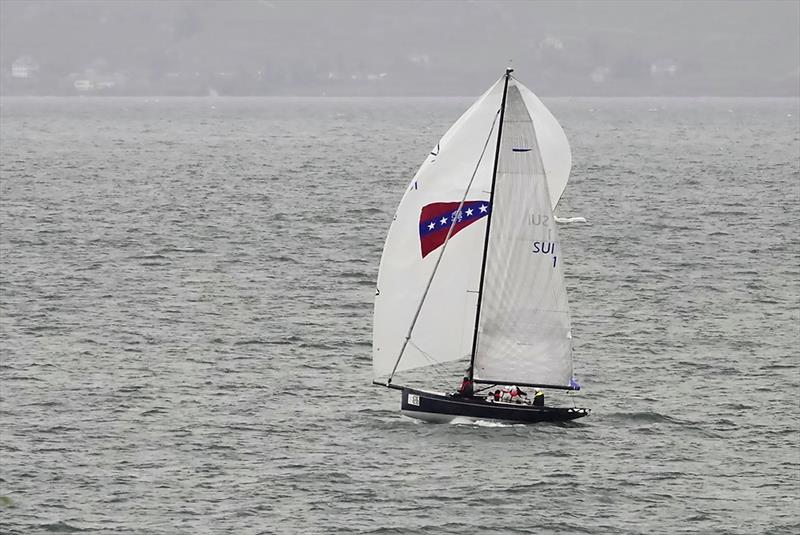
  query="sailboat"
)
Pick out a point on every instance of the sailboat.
point(472, 270)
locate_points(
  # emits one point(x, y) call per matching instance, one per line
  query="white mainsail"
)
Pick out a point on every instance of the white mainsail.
point(524, 332)
point(438, 309)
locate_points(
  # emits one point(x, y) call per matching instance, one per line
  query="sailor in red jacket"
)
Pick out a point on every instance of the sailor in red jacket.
point(466, 389)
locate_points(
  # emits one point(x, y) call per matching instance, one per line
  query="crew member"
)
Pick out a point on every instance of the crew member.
point(517, 394)
point(538, 398)
point(466, 389)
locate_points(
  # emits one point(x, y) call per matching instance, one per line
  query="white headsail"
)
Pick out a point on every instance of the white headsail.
point(443, 330)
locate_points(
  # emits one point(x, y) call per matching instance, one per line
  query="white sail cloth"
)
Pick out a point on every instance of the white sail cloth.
point(443, 331)
point(553, 145)
point(445, 313)
point(524, 332)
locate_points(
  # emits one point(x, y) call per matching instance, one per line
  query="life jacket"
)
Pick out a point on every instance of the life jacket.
point(466, 388)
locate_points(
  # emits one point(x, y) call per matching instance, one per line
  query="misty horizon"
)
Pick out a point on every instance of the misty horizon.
point(407, 48)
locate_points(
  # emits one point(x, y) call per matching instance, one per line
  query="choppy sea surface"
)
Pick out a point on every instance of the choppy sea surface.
point(186, 293)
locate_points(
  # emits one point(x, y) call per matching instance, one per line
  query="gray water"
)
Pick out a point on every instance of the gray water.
point(186, 301)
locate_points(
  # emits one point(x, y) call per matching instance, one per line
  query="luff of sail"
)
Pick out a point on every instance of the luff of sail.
point(524, 329)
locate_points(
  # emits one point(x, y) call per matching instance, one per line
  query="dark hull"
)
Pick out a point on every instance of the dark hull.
point(444, 408)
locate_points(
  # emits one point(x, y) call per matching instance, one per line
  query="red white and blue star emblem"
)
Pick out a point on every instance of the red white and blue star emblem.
point(435, 220)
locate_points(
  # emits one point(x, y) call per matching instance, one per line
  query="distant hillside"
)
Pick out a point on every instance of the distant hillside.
point(398, 48)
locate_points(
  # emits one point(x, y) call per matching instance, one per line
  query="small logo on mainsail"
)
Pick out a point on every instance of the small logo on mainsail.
point(436, 218)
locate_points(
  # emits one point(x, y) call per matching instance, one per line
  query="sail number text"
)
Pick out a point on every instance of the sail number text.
point(545, 247)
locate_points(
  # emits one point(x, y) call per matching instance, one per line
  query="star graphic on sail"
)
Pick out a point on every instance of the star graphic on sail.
point(436, 218)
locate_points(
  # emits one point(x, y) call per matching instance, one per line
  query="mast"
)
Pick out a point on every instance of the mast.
point(488, 224)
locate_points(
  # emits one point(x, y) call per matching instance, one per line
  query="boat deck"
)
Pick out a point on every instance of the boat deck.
point(439, 407)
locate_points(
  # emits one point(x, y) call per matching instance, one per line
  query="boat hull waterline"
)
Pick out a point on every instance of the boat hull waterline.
point(443, 408)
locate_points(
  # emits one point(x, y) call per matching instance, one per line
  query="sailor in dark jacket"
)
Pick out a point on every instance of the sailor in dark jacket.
point(466, 389)
point(538, 398)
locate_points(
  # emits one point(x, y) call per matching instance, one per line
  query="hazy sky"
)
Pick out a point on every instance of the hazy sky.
point(400, 47)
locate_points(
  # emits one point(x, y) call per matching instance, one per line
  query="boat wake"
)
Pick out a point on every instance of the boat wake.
point(644, 417)
point(483, 423)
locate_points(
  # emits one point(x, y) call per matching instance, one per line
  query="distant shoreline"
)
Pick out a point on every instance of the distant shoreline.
point(385, 97)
